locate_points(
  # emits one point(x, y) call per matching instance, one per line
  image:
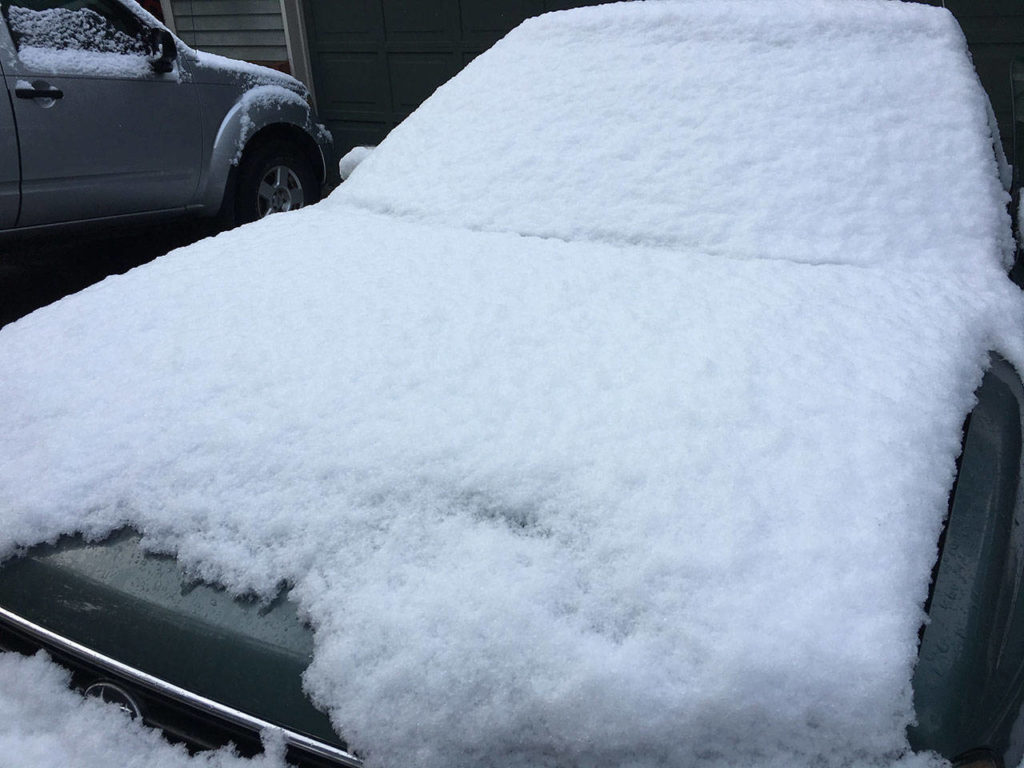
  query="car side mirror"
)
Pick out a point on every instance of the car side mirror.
point(164, 51)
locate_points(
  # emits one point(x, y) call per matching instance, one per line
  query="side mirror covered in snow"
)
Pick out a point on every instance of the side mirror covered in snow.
point(164, 51)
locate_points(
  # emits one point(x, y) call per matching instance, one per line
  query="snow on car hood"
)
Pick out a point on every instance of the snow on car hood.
point(547, 502)
point(543, 502)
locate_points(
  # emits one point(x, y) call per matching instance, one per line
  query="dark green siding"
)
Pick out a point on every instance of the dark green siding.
point(375, 61)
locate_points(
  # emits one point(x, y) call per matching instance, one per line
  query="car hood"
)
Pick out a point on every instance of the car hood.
point(536, 498)
point(210, 68)
point(139, 611)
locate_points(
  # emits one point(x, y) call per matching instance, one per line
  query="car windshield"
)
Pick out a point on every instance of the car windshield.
point(606, 415)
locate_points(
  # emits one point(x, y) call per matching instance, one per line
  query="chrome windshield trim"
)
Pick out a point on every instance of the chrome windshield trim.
point(180, 694)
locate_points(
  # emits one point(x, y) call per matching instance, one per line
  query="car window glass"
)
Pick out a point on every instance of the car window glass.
point(99, 26)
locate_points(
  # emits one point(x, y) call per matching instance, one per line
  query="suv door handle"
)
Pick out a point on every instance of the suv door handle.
point(39, 93)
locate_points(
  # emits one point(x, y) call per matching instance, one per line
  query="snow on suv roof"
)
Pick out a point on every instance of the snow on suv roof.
point(606, 416)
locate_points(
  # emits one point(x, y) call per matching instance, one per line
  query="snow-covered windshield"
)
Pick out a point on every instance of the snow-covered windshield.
point(722, 130)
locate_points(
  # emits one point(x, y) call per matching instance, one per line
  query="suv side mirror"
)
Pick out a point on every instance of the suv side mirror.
point(164, 50)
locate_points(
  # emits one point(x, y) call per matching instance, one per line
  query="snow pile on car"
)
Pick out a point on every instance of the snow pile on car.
point(791, 130)
point(639, 492)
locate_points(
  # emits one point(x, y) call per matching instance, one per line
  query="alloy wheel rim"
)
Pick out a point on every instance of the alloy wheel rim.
point(280, 190)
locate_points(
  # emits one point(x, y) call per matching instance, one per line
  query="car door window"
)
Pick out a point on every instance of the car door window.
point(87, 31)
point(85, 25)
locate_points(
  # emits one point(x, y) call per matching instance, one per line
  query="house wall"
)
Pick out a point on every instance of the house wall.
point(253, 30)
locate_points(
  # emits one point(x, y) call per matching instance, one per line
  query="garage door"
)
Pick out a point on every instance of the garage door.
point(375, 61)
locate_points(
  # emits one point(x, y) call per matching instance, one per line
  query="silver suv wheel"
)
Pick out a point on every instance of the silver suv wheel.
point(280, 190)
point(273, 176)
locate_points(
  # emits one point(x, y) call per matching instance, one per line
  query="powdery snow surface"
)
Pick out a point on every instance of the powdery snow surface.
point(533, 519)
point(351, 160)
point(579, 500)
point(800, 130)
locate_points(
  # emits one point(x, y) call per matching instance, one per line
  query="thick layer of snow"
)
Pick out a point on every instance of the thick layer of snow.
point(540, 499)
point(803, 130)
point(351, 160)
point(44, 724)
point(598, 502)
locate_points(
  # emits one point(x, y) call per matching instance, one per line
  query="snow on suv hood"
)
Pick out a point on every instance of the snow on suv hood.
point(639, 492)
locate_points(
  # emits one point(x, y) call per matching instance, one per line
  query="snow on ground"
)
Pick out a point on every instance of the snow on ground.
point(640, 492)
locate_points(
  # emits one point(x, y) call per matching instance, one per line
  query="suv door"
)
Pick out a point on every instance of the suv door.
point(101, 133)
point(10, 174)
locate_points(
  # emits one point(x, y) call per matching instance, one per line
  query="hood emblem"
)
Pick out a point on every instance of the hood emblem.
point(115, 694)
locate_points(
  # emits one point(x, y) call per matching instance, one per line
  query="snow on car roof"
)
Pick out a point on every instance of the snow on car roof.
point(636, 492)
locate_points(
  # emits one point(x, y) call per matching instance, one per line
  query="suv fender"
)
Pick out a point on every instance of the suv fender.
point(261, 108)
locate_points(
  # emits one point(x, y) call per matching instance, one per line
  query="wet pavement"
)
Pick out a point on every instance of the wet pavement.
point(38, 271)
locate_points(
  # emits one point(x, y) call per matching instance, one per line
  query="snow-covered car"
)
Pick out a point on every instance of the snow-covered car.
point(608, 414)
point(108, 115)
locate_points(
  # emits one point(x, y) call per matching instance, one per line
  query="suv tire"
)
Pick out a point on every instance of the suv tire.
point(273, 178)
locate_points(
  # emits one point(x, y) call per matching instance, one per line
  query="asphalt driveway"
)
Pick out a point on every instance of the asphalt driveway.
point(38, 271)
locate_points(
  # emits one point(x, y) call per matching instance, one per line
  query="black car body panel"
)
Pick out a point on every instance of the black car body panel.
point(140, 617)
point(969, 680)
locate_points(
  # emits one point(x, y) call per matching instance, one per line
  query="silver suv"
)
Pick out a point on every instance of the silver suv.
point(109, 115)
